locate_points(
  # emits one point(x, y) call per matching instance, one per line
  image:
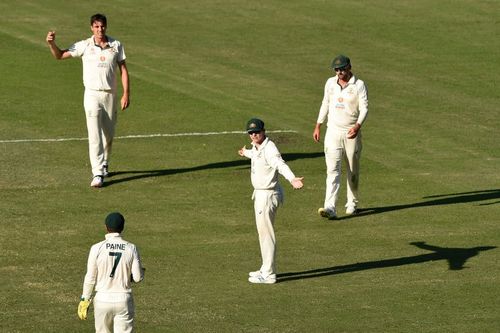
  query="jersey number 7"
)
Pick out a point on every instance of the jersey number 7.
point(118, 256)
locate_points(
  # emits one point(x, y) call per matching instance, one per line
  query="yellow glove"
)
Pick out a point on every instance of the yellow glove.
point(82, 309)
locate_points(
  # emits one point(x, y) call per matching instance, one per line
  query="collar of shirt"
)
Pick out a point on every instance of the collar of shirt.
point(108, 42)
point(351, 80)
point(112, 235)
point(262, 145)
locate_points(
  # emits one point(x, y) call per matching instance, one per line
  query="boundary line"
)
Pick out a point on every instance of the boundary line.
point(141, 136)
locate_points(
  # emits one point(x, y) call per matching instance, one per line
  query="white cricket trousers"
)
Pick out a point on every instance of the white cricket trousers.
point(337, 148)
point(100, 110)
point(266, 203)
point(114, 317)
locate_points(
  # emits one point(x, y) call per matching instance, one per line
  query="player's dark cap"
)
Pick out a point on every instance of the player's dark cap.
point(115, 221)
point(255, 125)
point(341, 61)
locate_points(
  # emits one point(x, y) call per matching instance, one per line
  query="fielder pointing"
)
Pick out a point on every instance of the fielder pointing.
point(267, 194)
point(101, 56)
point(112, 265)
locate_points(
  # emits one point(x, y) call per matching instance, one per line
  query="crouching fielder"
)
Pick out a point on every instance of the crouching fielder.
point(112, 265)
point(267, 194)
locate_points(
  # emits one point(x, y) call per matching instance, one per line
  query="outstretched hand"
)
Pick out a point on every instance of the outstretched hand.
point(297, 183)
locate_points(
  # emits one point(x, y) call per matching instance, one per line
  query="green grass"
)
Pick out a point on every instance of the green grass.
point(429, 167)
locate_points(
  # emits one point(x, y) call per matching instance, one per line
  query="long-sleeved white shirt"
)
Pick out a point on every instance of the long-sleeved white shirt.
point(344, 107)
point(266, 164)
point(111, 266)
point(99, 65)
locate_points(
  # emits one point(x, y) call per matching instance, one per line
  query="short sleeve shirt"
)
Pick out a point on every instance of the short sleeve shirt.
point(99, 64)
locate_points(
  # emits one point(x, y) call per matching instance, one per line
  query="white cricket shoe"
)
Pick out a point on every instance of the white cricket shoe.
point(328, 213)
point(260, 279)
point(254, 274)
point(351, 210)
point(105, 171)
point(97, 181)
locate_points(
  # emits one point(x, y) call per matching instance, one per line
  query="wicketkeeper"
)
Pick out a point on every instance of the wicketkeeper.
point(112, 266)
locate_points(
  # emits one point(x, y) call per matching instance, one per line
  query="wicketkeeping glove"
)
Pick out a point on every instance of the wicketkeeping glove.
point(82, 309)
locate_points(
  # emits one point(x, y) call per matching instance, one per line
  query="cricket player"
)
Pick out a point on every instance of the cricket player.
point(345, 103)
point(267, 194)
point(102, 57)
point(112, 265)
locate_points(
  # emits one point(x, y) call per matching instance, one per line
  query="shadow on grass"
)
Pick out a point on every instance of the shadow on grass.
point(139, 174)
point(456, 258)
point(436, 200)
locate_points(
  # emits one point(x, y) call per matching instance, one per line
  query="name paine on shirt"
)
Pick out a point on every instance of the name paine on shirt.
point(110, 246)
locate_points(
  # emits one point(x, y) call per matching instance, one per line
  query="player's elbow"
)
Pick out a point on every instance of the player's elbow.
point(57, 56)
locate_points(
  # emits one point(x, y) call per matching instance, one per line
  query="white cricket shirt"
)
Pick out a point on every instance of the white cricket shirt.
point(99, 65)
point(111, 266)
point(344, 107)
point(266, 164)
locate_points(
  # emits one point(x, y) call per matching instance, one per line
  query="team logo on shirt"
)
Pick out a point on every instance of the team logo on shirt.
point(340, 99)
point(102, 58)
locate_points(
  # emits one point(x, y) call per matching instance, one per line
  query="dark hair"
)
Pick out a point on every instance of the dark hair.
point(118, 230)
point(98, 17)
point(115, 222)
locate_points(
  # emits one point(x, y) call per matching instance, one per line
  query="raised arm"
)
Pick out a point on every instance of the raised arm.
point(54, 49)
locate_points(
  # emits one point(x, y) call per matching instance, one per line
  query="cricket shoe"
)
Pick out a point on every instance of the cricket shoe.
point(328, 213)
point(105, 169)
point(351, 210)
point(254, 274)
point(97, 181)
point(270, 279)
